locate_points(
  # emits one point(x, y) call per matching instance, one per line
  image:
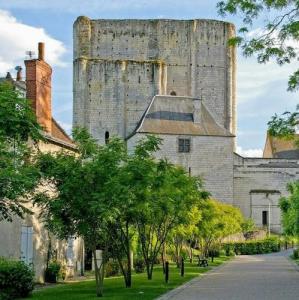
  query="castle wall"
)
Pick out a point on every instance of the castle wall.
point(119, 65)
point(211, 158)
point(259, 184)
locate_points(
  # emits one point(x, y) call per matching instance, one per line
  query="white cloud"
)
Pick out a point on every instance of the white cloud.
point(17, 38)
point(249, 152)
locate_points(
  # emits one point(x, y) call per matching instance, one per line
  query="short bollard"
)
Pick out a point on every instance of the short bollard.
point(182, 267)
point(166, 271)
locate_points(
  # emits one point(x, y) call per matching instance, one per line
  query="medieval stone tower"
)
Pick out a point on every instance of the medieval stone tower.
point(120, 65)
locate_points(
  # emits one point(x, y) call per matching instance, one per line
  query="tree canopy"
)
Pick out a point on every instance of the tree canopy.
point(18, 176)
point(290, 210)
point(277, 39)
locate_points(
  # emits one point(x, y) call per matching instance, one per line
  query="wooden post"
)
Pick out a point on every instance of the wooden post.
point(182, 268)
point(166, 271)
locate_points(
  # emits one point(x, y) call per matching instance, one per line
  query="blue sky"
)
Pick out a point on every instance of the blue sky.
point(261, 89)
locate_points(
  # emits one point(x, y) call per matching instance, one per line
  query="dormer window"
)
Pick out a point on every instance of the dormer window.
point(184, 145)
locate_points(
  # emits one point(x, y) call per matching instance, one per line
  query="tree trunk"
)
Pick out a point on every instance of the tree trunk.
point(150, 275)
point(163, 255)
point(191, 254)
point(129, 265)
point(148, 270)
point(99, 274)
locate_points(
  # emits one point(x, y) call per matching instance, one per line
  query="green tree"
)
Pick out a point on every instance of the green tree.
point(218, 221)
point(184, 235)
point(290, 210)
point(18, 176)
point(164, 194)
point(83, 204)
point(279, 36)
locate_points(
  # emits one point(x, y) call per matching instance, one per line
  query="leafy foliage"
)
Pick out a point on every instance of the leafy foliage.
point(277, 38)
point(18, 176)
point(218, 220)
point(83, 204)
point(254, 247)
point(16, 279)
point(284, 126)
point(290, 210)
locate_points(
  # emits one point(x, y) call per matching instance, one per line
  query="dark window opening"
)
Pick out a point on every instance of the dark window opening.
point(265, 218)
point(173, 93)
point(106, 137)
point(184, 145)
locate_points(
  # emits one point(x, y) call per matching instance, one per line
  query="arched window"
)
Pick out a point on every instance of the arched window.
point(173, 93)
point(106, 137)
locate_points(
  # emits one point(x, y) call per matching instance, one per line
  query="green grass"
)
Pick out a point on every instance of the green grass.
point(114, 286)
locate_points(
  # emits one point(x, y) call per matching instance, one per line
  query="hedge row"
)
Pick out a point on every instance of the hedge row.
point(253, 247)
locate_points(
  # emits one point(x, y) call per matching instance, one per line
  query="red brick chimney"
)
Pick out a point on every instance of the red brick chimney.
point(38, 88)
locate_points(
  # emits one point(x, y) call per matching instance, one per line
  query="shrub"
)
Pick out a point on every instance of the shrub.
point(112, 268)
point(296, 253)
point(139, 265)
point(52, 271)
point(214, 253)
point(254, 247)
point(16, 279)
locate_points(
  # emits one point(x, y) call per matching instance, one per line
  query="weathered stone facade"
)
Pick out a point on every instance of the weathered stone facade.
point(120, 65)
point(175, 79)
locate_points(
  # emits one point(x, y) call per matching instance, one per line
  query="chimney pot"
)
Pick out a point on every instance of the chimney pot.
point(41, 51)
point(19, 73)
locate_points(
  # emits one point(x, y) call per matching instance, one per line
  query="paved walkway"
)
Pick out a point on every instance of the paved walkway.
point(255, 277)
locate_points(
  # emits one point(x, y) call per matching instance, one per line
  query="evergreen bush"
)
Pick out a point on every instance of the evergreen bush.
point(112, 268)
point(16, 279)
point(268, 245)
point(139, 265)
point(296, 253)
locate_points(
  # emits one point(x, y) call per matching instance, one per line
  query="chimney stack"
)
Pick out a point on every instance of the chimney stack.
point(38, 88)
point(8, 76)
point(19, 73)
point(41, 51)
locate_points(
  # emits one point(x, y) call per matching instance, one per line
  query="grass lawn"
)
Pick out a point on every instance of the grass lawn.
point(114, 286)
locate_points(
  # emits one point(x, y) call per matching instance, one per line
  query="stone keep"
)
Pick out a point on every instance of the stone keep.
point(175, 79)
point(120, 65)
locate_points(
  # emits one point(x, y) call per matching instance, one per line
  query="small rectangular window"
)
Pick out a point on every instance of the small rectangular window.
point(184, 145)
point(265, 218)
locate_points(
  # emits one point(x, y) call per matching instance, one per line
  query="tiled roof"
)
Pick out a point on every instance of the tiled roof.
point(59, 133)
point(175, 115)
point(282, 148)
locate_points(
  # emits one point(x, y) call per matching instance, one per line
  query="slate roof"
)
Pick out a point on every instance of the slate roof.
point(175, 115)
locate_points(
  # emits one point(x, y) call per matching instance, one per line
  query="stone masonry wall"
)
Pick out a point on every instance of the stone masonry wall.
point(258, 181)
point(211, 158)
point(119, 65)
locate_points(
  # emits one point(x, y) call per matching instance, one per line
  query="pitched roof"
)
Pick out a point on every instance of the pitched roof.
point(277, 147)
point(176, 115)
point(59, 133)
